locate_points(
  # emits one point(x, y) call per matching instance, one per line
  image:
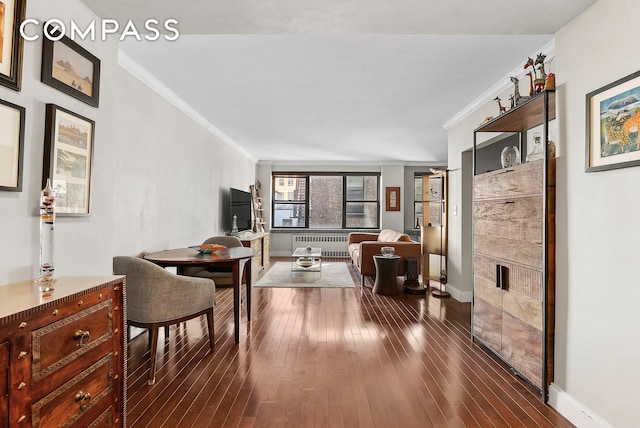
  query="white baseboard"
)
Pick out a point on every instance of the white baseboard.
point(460, 296)
point(280, 253)
point(573, 410)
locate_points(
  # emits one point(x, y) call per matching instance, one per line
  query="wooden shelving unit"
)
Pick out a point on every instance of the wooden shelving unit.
point(258, 210)
point(434, 232)
point(514, 251)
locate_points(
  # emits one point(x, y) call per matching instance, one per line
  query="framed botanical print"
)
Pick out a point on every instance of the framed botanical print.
point(12, 13)
point(68, 155)
point(11, 146)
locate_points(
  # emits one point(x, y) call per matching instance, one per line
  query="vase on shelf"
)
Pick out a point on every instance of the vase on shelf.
point(510, 156)
point(537, 150)
point(551, 149)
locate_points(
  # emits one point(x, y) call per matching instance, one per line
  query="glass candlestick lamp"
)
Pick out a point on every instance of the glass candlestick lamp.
point(47, 276)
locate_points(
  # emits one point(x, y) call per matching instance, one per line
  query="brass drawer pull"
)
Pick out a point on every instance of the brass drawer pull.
point(83, 398)
point(81, 336)
point(22, 354)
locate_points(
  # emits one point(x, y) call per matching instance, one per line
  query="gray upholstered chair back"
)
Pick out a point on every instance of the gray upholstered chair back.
point(222, 277)
point(155, 295)
point(157, 298)
point(227, 241)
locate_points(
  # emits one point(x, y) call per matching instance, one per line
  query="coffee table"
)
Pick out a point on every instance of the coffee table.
point(312, 255)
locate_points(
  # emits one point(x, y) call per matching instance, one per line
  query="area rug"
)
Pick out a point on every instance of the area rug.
point(333, 275)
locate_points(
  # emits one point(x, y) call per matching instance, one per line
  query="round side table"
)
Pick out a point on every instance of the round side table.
point(386, 275)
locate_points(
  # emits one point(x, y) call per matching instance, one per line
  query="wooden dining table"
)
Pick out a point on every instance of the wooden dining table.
point(235, 258)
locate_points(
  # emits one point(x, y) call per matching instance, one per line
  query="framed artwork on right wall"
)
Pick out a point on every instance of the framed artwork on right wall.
point(613, 120)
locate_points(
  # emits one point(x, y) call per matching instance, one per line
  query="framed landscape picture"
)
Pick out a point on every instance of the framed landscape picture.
point(12, 13)
point(68, 155)
point(11, 146)
point(613, 120)
point(69, 67)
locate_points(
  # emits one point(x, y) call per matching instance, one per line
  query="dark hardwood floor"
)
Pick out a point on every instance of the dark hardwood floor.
point(330, 358)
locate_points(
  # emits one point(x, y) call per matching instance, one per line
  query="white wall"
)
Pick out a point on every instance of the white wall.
point(597, 346)
point(157, 175)
point(392, 175)
point(597, 342)
point(460, 138)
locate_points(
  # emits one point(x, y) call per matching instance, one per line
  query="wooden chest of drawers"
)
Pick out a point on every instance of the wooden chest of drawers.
point(64, 352)
point(259, 243)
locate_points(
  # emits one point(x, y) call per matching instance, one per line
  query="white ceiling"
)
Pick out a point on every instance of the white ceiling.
point(332, 80)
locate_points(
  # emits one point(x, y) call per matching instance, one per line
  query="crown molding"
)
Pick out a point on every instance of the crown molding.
point(499, 87)
point(142, 74)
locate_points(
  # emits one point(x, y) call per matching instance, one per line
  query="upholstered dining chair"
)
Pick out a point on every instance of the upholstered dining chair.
point(222, 277)
point(158, 298)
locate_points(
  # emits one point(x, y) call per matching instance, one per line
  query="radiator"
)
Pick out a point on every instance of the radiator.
point(331, 245)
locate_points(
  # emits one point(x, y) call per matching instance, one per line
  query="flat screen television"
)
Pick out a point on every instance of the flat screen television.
point(240, 205)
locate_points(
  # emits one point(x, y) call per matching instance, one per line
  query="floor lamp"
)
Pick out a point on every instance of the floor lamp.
point(442, 279)
point(434, 242)
point(436, 236)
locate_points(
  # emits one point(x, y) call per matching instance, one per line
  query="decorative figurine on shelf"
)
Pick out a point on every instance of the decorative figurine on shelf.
point(234, 224)
point(511, 101)
point(531, 90)
point(530, 63)
point(517, 98)
point(500, 107)
point(487, 120)
point(538, 82)
point(541, 75)
point(47, 278)
point(550, 83)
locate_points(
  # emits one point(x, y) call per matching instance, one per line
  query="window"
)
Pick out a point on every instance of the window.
point(417, 200)
point(290, 202)
point(361, 203)
point(326, 201)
